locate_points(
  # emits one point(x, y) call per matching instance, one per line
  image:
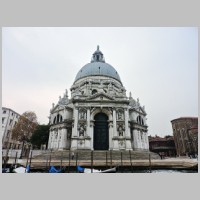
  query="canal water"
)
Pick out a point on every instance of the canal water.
point(128, 170)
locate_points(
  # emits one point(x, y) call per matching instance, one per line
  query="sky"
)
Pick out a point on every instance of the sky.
point(158, 65)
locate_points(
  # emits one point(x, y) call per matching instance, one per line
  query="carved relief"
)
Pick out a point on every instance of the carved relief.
point(120, 115)
point(82, 129)
point(121, 143)
point(80, 142)
point(82, 114)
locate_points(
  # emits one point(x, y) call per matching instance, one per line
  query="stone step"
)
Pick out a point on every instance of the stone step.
point(98, 155)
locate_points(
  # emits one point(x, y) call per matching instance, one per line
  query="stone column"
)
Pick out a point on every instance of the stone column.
point(75, 121)
point(50, 141)
point(139, 140)
point(127, 130)
point(135, 139)
point(74, 130)
point(58, 138)
point(88, 123)
point(147, 141)
point(64, 138)
point(114, 123)
point(110, 125)
point(92, 134)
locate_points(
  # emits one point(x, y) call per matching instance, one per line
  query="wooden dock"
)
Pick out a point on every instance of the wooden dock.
point(130, 159)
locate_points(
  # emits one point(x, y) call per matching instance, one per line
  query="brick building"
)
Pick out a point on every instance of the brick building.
point(185, 131)
point(163, 146)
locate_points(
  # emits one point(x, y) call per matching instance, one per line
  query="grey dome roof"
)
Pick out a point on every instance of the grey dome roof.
point(97, 67)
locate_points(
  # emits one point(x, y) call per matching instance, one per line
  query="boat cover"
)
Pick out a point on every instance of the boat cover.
point(54, 170)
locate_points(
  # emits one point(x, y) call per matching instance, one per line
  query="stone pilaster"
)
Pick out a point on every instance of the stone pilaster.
point(135, 139)
point(110, 125)
point(114, 123)
point(74, 130)
point(127, 131)
point(92, 134)
point(88, 123)
point(64, 139)
point(75, 122)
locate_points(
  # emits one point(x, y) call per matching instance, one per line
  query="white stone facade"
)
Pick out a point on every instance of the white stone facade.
point(98, 111)
point(9, 119)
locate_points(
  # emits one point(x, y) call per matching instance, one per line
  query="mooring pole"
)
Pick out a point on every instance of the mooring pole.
point(121, 162)
point(131, 161)
point(106, 159)
point(47, 164)
point(91, 161)
point(69, 161)
point(111, 158)
point(16, 157)
point(50, 159)
point(150, 163)
point(6, 158)
point(76, 161)
point(61, 160)
point(27, 161)
point(30, 160)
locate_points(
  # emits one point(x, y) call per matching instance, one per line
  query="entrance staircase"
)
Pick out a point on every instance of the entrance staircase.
point(84, 155)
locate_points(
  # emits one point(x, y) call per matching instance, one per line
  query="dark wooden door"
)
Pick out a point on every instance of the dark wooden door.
point(101, 139)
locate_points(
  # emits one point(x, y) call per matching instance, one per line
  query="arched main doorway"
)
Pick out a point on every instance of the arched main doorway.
point(101, 137)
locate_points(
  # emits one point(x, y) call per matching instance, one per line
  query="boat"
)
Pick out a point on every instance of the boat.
point(6, 170)
point(22, 169)
point(88, 170)
point(54, 170)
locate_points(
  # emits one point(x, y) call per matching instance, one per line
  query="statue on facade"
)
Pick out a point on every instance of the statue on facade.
point(81, 130)
point(82, 114)
point(121, 129)
point(120, 115)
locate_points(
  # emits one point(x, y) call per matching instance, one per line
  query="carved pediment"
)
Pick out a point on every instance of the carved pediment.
point(59, 107)
point(101, 97)
point(141, 110)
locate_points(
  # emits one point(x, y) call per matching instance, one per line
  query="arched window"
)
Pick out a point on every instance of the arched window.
point(58, 119)
point(140, 120)
point(54, 121)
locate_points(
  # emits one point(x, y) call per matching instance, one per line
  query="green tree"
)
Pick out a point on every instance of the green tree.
point(24, 128)
point(40, 135)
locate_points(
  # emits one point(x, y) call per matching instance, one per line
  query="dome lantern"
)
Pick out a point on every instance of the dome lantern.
point(97, 56)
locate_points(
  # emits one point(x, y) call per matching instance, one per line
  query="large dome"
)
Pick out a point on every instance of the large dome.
point(97, 67)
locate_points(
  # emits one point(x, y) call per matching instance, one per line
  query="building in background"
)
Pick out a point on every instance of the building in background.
point(163, 146)
point(9, 119)
point(185, 131)
point(99, 115)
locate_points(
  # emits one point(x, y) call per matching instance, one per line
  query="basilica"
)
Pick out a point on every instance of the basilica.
point(99, 115)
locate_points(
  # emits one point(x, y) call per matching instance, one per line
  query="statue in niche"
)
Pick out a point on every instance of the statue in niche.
point(82, 114)
point(120, 115)
point(120, 129)
point(81, 130)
